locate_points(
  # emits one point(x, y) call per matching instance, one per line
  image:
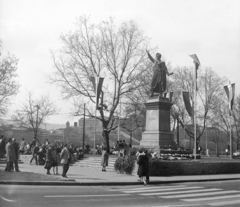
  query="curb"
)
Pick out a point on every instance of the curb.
point(74, 183)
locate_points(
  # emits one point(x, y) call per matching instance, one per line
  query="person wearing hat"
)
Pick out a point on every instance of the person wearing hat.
point(143, 165)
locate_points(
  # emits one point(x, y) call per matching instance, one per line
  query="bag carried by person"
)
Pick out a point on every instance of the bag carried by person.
point(48, 165)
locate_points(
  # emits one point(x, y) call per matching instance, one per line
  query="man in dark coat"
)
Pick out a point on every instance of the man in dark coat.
point(16, 149)
point(143, 166)
point(10, 155)
point(2, 146)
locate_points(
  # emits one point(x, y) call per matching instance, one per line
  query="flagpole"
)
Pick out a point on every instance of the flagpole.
point(196, 64)
point(230, 91)
point(231, 141)
point(230, 128)
point(195, 114)
point(94, 139)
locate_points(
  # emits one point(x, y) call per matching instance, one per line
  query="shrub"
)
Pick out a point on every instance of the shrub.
point(125, 164)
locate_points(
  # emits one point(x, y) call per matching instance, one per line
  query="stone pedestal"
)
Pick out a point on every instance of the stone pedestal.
point(157, 131)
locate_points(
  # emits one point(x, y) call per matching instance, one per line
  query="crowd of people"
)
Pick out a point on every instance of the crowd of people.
point(50, 155)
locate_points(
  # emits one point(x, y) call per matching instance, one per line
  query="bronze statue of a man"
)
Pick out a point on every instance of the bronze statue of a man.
point(159, 79)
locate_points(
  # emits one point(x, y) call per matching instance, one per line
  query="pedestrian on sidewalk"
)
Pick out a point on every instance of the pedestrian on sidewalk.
point(143, 165)
point(35, 153)
point(10, 156)
point(16, 149)
point(105, 157)
point(22, 146)
point(65, 160)
point(3, 142)
point(55, 160)
point(49, 159)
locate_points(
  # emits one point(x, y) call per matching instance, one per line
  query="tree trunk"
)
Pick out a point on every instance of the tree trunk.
point(217, 150)
point(106, 139)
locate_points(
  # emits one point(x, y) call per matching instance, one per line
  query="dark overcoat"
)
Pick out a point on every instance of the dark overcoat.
point(10, 153)
point(143, 165)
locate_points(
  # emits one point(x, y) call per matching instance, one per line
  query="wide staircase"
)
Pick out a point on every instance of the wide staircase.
point(95, 162)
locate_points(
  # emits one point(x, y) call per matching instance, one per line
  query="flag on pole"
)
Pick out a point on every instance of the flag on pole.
point(230, 91)
point(187, 103)
point(97, 85)
point(196, 63)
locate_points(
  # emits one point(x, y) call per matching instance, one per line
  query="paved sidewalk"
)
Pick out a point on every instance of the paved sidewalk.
point(92, 176)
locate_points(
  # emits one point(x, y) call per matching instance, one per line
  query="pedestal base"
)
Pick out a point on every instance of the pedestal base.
point(157, 139)
point(157, 133)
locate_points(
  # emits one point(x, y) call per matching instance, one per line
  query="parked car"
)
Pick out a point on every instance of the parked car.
point(236, 154)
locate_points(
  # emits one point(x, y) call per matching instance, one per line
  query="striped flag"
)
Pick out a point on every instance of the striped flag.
point(230, 91)
point(97, 85)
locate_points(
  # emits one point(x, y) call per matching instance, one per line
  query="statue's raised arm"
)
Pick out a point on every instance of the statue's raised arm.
point(149, 56)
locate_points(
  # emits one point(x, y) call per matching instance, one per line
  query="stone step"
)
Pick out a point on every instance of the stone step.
point(95, 162)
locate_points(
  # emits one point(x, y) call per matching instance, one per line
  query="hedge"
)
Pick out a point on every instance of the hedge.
point(170, 168)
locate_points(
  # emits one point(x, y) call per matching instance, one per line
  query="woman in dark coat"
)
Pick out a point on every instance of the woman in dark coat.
point(49, 159)
point(143, 166)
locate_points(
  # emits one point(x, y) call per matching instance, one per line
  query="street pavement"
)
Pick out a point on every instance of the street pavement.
point(79, 175)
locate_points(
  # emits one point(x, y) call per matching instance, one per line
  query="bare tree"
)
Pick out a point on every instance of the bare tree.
point(210, 88)
point(33, 112)
point(236, 121)
point(117, 54)
point(222, 118)
point(8, 84)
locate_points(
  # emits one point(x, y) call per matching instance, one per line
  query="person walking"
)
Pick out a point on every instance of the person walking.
point(22, 146)
point(10, 156)
point(65, 160)
point(16, 149)
point(143, 166)
point(105, 157)
point(35, 153)
point(49, 159)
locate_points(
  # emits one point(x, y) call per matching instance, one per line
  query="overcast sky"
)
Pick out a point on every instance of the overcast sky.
point(208, 28)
